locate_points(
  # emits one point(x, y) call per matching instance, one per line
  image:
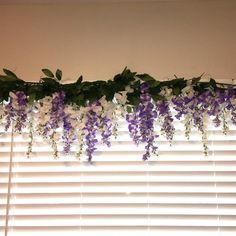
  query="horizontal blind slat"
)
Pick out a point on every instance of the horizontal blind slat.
point(178, 190)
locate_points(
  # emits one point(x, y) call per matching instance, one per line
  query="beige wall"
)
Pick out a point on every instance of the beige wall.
point(99, 39)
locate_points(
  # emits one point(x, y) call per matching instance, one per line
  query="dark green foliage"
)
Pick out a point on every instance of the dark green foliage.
point(84, 92)
point(58, 74)
point(48, 73)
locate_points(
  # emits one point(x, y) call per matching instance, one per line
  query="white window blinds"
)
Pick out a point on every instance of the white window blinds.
point(180, 192)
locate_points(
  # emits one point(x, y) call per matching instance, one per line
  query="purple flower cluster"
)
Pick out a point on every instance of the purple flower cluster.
point(180, 105)
point(216, 104)
point(57, 117)
point(68, 133)
point(106, 125)
point(56, 113)
point(212, 103)
point(91, 128)
point(141, 122)
point(195, 107)
point(230, 96)
point(16, 111)
point(199, 106)
point(133, 125)
point(167, 126)
point(215, 108)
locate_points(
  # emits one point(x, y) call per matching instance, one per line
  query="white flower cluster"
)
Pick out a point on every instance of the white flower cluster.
point(188, 91)
point(108, 109)
point(166, 92)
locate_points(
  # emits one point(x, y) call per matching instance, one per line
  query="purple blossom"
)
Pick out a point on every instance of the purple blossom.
point(230, 96)
point(199, 106)
point(91, 128)
point(56, 112)
point(195, 107)
point(106, 125)
point(215, 107)
point(68, 133)
point(133, 125)
point(59, 117)
point(141, 122)
point(180, 105)
point(16, 111)
point(167, 126)
point(219, 103)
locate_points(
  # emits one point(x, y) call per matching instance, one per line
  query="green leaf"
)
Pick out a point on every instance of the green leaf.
point(79, 99)
point(109, 96)
point(10, 76)
point(58, 74)
point(153, 83)
point(158, 97)
point(195, 80)
point(146, 77)
point(7, 78)
point(176, 91)
point(49, 81)
point(10, 73)
point(175, 82)
point(3, 78)
point(125, 71)
point(212, 83)
point(48, 73)
point(79, 80)
point(32, 97)
point(86, 86)
point(133, 99)
point(129, 109)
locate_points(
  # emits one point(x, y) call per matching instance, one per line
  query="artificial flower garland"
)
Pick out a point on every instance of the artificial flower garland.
point(82, 112)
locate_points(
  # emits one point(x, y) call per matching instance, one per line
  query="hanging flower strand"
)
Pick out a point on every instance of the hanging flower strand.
point(70, 125)
point(91, 129)
point(141, 122)
point(31, 134)
point(16, 110)
point(164, 113)
point(108, 121)
point(51, 114)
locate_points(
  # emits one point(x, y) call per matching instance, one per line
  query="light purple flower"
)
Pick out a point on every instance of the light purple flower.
point(16, 111)
point(68, 133)
point(167, 126)
point(56, 113)
point(91, 129)
point(230, 105)
point(141, 122)
point(106, 125)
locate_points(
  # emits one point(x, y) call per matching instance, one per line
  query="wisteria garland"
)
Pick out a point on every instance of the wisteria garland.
point(96, 121)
